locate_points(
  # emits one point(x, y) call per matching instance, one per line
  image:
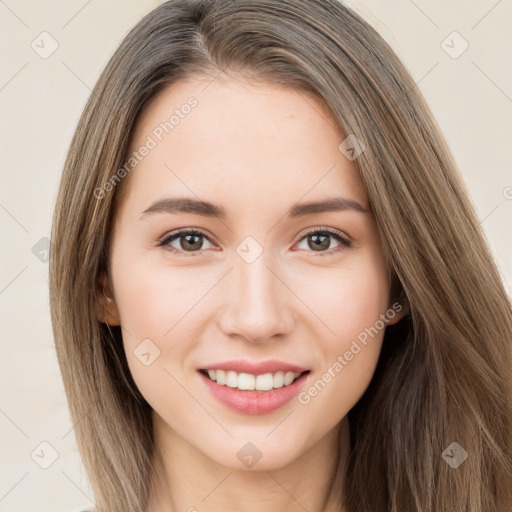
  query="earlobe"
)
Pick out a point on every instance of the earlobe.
point(397, 311)
point(107, 311)
point(396, 318)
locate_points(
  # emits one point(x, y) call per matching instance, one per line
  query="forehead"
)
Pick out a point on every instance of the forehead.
point(215, 138)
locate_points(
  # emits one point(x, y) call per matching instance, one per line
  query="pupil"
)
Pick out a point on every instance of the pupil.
point(322, 244)
point(191, 244)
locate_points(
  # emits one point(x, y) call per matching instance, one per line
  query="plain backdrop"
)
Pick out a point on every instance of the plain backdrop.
point(41, 98)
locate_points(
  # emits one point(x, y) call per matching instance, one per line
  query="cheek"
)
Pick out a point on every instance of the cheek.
point(154, 298)
point(156, 342)
point(350, 301)
point(162, 308)
point(347, 299)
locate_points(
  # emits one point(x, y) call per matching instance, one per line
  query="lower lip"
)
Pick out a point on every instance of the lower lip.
point(254, 402)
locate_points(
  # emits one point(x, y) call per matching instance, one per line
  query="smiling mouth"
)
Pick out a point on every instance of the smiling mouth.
point(250, 382)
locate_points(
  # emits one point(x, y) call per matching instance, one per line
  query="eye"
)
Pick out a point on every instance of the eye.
point(319, 240)
point(186, 240)
point(192, 241)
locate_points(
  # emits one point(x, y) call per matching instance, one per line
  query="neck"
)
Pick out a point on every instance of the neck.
point(188, 480)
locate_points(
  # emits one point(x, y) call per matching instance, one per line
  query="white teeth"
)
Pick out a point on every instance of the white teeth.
point(221, 377)
point(247, 381)
point(278, 380)
point(264, 382)
point(288, 378)
point(232, 379)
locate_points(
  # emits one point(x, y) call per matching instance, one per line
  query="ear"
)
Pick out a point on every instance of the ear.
point(107, 311)
point(399, 309)
point(399, 306)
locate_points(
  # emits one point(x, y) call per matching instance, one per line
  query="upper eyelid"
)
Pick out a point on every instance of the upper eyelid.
point(332, 231)
point(184, 231)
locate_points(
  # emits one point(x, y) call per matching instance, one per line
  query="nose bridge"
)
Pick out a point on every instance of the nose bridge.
point(257, 306)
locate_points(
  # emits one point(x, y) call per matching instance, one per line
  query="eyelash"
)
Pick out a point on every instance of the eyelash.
point(169, 237)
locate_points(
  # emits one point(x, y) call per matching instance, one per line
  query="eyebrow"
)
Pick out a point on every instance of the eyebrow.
point(187, 205)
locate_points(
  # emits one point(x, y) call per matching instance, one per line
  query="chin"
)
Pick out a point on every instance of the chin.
point(255, 454)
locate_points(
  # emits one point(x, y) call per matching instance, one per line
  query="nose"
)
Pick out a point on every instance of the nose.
point(258, 306)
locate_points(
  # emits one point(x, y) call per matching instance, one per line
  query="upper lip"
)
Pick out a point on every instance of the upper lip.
point(255, 368)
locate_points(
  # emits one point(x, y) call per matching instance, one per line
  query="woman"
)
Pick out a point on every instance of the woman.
point(269, 288)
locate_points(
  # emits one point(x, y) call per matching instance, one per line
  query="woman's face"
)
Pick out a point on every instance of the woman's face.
point(264, 285)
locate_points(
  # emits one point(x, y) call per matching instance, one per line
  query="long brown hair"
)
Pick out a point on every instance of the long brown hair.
point(444, 375)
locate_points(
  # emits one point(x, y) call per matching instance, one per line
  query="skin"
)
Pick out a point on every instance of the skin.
point(256, 151)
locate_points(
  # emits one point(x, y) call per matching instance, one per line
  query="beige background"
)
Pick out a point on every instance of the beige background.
point(40, 102)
